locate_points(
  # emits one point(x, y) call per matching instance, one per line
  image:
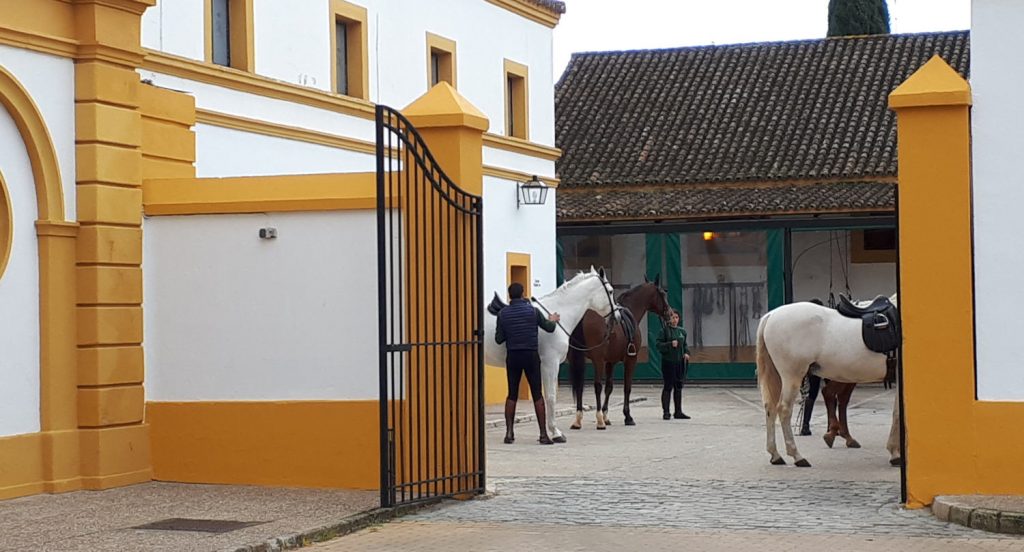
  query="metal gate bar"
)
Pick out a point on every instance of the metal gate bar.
point(429, 254)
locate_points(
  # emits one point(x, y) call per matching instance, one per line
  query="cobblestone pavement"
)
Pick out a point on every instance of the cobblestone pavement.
point(700, 484)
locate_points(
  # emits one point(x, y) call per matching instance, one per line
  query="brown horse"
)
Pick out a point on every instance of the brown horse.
point(607, 345)
point(837, 398)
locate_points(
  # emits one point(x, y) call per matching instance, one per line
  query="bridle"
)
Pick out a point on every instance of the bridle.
point(612, 312)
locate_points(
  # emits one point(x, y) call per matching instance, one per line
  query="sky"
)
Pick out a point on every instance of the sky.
point(600, 25)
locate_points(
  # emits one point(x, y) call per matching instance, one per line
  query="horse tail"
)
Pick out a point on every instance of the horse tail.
point(768, 379)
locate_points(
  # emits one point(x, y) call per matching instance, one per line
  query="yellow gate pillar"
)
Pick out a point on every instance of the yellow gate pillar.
point(108, 133)
point(936, 283)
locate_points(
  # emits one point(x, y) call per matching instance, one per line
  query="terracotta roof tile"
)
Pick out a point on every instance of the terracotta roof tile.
point(807, 110)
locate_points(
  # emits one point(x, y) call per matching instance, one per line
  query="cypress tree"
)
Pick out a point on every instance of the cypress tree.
point(857, 17)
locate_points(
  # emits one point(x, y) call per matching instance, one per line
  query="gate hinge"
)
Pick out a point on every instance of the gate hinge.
point(399, 348)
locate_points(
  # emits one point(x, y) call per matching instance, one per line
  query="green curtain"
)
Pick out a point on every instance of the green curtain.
point(673, 276)
point(776, 268)
point(559, 263)
point(655, 263)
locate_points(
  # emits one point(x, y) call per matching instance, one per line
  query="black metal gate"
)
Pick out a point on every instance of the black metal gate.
point(429, 255)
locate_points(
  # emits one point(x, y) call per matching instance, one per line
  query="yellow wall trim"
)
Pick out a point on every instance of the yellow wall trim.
point(934, 84)
point(276, 130)
point(523, 147)
point(52, 45)
point(449, 74)
point(356, 46)
point(6, 225)
point(260, 194)
point(331, 444)
point(517, 176)
point(254, 84)
point(531, 11)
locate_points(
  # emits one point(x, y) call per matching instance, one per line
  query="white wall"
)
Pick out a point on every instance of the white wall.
point(292, 44)
point(50, 80)
point(997, 53)
point(232, 317)
point(223, 152)
point(529, 229)
point(19, 292)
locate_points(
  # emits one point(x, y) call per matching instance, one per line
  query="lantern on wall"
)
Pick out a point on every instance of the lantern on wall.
point(533, 192)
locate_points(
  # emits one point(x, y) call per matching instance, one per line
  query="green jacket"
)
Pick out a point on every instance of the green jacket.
point(668, 334)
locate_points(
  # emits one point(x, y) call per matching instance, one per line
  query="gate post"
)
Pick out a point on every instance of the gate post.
point(453, 130)
point(936, 282)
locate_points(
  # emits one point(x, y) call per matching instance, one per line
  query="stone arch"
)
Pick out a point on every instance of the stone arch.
point(38, 144)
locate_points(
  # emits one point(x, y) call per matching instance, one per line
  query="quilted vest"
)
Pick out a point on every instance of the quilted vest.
point(519, 323)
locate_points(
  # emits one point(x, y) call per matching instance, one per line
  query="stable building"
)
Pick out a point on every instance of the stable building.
point(746, 175)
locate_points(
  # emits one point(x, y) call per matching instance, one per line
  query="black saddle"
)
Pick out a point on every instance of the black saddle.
point(881, 323)
point(629, 328)
point(496, 304)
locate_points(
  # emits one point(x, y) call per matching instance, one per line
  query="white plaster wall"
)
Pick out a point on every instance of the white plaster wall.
point(529, 229)
point(811, 270)
point(232, 317)
point(292, 44)
point(998, 188)
point(50, 80)
point(19, 292)
point(222, 152)
point(176, 27)
point(527, 164)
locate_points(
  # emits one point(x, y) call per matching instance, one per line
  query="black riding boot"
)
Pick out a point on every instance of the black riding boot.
point(510, 421)
point(665, 392)
point(542, 421)
point(677, 399)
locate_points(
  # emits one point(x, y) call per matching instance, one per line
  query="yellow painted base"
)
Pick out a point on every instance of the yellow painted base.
point(495, 384)
point(331, 444)
point(29, 462)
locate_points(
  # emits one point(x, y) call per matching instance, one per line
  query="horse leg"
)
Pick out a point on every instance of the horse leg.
point(893, 444)
point(609, 383)
point(790, 391)
point(844, 401)
point(627, 386)
point(828, 393)
point(770, 415)
point(549, 383)
point(598, 362)
point(576, 377)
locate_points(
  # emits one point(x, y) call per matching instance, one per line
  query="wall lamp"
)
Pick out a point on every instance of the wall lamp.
point(533, 192)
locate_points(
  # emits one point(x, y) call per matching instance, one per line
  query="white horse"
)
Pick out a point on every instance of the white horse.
point(798, 338)
point(586, 290)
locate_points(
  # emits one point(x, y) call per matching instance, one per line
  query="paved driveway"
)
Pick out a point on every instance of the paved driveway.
point(700, 484)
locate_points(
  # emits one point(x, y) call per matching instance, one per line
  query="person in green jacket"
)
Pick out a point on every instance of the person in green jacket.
point(674, 359)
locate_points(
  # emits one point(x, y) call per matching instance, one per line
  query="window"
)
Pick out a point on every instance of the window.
point(516, 100)
point(229, 33)
point(349, 68)
point(877, 245)
point(440, 60)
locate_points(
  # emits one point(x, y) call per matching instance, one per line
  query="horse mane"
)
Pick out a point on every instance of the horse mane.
point(572, 283)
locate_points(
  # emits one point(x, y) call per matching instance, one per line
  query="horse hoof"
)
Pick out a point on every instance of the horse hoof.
point(509, 440)
point(559, 439)
point(601, 428)
point(574, 426)
point(545, 440)
point(829, 439)
point(852, 443)
point(802, 463)
point(778, 461)
point(896, 462)
point(805, 431)
point(629, 421)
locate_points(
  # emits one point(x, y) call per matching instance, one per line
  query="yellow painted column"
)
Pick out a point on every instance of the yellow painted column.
point(114, 439)
point(936, 285)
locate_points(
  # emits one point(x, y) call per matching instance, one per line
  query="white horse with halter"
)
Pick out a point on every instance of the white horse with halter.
point(587, 290)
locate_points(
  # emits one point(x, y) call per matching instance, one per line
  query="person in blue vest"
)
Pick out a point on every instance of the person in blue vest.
point(517, 328)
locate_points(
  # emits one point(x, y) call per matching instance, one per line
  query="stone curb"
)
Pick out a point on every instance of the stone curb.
point(959, 510)
point(331, 531)
point(561, 412)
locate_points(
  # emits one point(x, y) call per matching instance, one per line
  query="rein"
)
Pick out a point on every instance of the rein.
point(607, 328)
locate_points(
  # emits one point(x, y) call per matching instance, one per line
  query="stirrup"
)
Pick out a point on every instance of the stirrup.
point(631, 350)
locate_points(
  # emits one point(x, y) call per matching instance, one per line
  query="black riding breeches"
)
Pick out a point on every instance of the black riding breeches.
point(673, 374)
point(517, 362)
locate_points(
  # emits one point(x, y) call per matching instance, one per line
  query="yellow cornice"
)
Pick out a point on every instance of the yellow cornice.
point(533, 12)
point(254, 84)
point(260, 194)
point(517, 176)
point(283, 131)
point(46, 44)
point(134, 6)
point(522, 147)
point(56, 229)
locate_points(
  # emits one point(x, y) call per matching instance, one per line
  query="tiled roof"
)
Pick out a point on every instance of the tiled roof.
point(807, 111)
point(736, 201)
point(552, 5)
